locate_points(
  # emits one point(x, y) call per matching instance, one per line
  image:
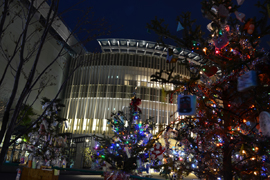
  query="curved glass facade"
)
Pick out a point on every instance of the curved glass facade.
point(106, 82)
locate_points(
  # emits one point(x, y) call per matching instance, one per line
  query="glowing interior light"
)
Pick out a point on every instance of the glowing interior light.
point(84, 124)
point(104, 124)
point(75, 124)
point(94, 125)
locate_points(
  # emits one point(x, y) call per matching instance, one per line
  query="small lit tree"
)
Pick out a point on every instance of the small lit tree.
point(44, 142)
point(128, 149)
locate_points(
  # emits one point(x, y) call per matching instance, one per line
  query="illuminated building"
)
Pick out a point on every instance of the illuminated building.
point(106, 82)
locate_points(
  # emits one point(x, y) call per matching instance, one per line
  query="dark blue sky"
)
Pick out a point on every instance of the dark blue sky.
point(129, 17)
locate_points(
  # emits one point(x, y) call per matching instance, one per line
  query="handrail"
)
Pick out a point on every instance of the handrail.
point(81, 170)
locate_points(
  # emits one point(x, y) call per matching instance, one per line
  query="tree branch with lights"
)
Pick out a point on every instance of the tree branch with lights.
point(231, 85)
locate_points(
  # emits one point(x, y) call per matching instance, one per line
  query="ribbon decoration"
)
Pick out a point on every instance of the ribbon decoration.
point(240, 16)
point(179, 27)
point(240, 2)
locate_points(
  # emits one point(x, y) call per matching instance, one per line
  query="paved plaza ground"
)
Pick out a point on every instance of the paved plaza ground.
point(12, 176)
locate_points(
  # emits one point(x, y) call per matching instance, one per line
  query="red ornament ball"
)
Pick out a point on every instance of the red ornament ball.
point(210, 70)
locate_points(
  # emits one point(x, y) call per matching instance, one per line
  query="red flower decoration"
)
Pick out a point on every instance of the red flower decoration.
point(135, 103)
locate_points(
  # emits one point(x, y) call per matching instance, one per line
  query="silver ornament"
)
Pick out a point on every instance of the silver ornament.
point(265, 123)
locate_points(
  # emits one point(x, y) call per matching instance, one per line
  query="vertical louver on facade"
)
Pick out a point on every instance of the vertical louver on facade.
point(106, 81)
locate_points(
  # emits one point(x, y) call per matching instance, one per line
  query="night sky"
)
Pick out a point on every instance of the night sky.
point(128, 18)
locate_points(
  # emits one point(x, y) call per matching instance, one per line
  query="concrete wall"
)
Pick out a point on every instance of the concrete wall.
point(49, 52)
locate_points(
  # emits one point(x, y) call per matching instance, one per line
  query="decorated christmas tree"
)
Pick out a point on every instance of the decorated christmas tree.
point(127, 150)
point(224, 133)
point(44, 144)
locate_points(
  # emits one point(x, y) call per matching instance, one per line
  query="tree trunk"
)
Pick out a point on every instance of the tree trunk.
point(3, 17)
point(4, 126)
point(10, 131)
point(13, 95)
point(5, 147)
point(227, 164)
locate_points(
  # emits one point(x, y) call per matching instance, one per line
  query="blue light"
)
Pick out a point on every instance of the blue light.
point(117, 145)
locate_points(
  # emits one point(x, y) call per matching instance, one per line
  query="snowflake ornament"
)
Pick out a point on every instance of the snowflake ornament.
point(157, 151)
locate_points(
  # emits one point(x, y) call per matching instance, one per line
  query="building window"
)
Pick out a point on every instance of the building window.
point(143, 83)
